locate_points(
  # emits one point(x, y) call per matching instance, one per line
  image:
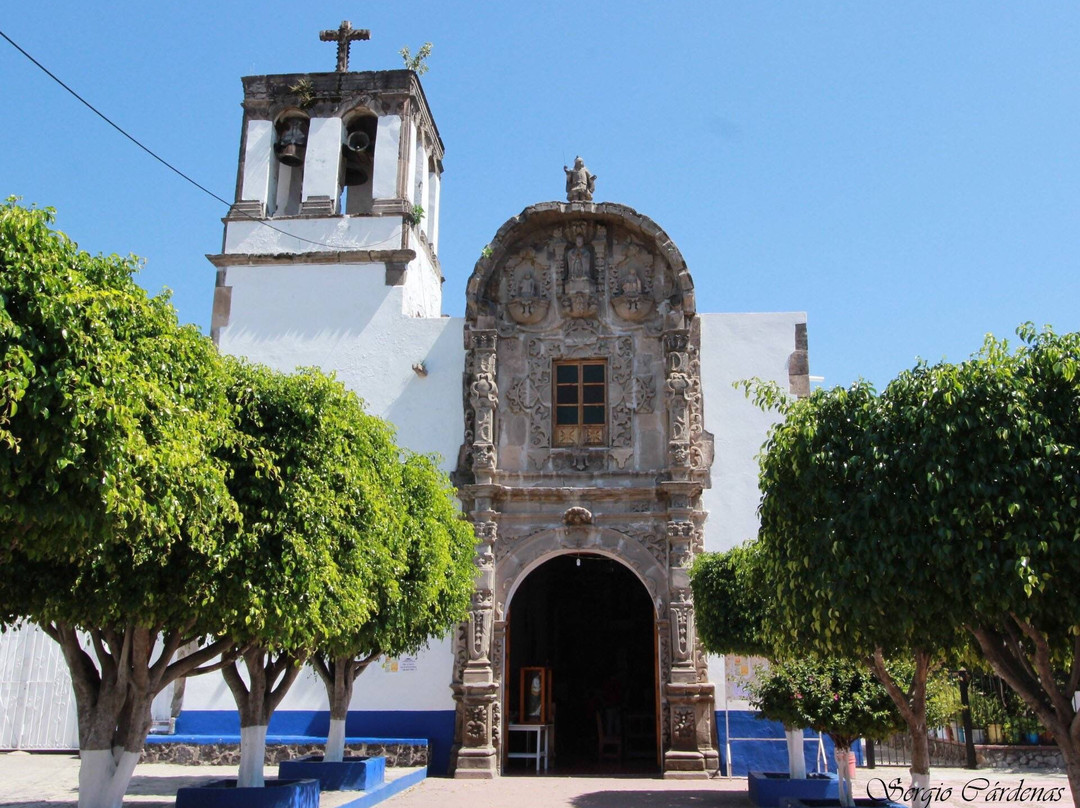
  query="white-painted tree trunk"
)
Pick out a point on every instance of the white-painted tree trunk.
point(843, 771)
point(104, 777)
point(796, 754)
point(335, 741)
point(252, 756)
point(920, 785)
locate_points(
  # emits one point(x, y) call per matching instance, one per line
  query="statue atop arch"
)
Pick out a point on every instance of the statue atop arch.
point(580, 184)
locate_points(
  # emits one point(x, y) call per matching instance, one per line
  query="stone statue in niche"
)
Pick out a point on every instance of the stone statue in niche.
point(579, 292)
point(630, 298)
point(527, 303)
point(580, 184)
point(578, 260)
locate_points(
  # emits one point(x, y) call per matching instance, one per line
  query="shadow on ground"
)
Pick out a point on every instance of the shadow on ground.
point(166, 786)
point(661, 799)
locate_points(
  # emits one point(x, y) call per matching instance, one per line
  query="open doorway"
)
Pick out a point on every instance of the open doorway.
point(588, 624)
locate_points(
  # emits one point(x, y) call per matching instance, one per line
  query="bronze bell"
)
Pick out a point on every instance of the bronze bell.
point(292, 143)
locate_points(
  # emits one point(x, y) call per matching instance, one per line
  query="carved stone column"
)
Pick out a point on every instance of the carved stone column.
point(483, 399)
point(476, 690)
point(680, 387)
point(690, 696)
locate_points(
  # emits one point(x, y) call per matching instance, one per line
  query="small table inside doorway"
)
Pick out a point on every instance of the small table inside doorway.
point(536, 752)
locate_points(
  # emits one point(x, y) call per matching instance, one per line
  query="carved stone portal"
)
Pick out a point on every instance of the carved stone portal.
point(604, 286)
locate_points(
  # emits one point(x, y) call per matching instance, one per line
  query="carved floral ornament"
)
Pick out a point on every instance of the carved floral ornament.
point(578, 268)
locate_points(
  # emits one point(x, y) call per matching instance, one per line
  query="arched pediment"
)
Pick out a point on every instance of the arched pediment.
point(627, 260)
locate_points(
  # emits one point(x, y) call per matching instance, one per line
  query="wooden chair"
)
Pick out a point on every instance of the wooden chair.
point(609, 747)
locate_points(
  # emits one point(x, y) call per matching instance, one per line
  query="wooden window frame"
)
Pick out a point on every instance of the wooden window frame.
point(579, 433)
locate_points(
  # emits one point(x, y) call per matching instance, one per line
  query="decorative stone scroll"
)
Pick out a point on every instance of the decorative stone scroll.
point(601, 284)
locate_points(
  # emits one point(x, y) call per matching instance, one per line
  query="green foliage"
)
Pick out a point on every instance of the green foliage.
point(304, 91)
point(729, 604)
point(848, 573)
point(415, 216)
point(311, 478)
point(418, 63)
point(945, 504)
point(841, 699)
point(112, 501)
point(432, 548)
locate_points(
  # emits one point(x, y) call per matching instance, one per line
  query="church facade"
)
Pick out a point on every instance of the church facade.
point(583, 405)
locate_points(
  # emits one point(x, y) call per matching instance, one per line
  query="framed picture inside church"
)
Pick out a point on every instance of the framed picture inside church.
point(535, 694)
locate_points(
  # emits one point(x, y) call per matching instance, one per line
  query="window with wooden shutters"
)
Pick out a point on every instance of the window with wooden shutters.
point(580, 403)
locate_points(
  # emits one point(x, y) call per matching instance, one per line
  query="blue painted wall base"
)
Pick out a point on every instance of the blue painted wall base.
point(226, 794)
point(434, 726)
point(349, 774)
point(759, 745)
point(767, 789)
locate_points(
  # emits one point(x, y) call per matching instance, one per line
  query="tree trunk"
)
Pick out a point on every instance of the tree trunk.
point(269, 679)
point(843, 772)
point(912, 706)
point(338, 675)
point(796, 753)
point(252, 756)
point(1020, 654)
point(1072, 769)
point(114, 689)
point(104, 775)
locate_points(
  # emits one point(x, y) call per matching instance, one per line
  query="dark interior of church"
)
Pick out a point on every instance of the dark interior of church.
point(587, 623)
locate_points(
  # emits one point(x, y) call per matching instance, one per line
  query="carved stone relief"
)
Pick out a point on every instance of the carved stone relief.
point(579, 286)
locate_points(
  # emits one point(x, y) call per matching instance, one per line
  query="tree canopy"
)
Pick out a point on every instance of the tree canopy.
point(113, 501)
point(892, 523)
point(317, 482)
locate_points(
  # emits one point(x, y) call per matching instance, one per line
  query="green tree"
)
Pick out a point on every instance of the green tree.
point(433, 548)
point(729, 604)
point(848, 578)
point(892, 523)
point(840, 698)
point(112, 503)
point(318, 525)
point(993, 484)
point(730, 614)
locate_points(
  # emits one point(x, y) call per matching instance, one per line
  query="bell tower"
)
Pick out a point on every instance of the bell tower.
point(337, 169)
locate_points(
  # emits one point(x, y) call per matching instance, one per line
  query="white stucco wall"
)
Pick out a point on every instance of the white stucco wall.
point(345, 319)
point(736, 347)
point(258, 146)
point(336, 233)
point(322, 162)
point(385, 171)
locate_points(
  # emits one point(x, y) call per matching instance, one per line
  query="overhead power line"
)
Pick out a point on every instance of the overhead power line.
point(156, 156)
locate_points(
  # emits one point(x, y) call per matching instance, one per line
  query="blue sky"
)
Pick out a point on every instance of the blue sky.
point(906, 173)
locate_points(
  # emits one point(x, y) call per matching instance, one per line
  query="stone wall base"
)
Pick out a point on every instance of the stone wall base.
point(228, 754)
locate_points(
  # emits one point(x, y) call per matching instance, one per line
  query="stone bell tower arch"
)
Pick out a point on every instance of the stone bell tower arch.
point(583, 431)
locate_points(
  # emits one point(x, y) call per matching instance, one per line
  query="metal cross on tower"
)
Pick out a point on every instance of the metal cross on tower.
point(344, 36)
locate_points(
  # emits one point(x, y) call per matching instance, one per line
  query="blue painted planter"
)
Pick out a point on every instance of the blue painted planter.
point(860, 802)
point(767, 789)
point(226, 794)
point(351, 774)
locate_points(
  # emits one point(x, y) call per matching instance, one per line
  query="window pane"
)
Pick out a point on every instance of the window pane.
point(593, 373)
point(566, 394)
point(594, 415)
point(565, 373)
point(566, 415)
point(593, 394)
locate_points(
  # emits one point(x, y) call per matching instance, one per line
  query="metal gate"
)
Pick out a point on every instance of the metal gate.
point(37, 706)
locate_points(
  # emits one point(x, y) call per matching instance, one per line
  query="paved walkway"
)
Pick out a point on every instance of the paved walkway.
point(49, 781)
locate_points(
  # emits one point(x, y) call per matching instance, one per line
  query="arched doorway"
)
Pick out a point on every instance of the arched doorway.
point(589, 623)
